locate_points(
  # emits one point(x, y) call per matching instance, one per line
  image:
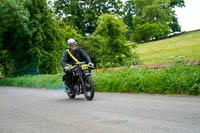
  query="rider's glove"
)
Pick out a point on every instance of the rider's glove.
point(90, 64)
point(66, 68)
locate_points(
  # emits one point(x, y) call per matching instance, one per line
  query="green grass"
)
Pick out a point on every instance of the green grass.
point(173, 80)
point(187, 45)
point(39, 81)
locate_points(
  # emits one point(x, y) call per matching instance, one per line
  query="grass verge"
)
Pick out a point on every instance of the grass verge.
point(39, 81)
point(173, 80)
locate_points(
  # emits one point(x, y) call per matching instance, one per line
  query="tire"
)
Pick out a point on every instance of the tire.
point(71, 96)
point(89, 88)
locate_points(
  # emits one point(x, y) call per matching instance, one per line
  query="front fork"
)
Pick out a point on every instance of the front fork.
point(81, 85)
point(81, 82)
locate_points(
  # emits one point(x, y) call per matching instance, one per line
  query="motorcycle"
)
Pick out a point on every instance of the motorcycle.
point(82, 82)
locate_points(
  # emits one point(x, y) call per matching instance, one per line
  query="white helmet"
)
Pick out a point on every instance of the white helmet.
point(71, 41)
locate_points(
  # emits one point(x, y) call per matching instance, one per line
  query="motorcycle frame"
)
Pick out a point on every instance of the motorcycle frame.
point(82, 74)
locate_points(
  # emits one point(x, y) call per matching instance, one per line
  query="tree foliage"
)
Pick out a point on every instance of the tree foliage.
point(5, 63)
point(129, 15)
point(131, 10)
point(175, 27)
point(151, 20)
point(15, 33)
point(83, 14)
point(112, 31)
point(33, 38)
point(177, 3)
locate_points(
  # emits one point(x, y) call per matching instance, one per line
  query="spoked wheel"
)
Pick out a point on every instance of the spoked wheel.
point(89, 88)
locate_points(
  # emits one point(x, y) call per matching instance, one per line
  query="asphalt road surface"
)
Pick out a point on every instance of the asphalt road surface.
point(30, 110)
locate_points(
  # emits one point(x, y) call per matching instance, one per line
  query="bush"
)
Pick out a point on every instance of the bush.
point(91, 46)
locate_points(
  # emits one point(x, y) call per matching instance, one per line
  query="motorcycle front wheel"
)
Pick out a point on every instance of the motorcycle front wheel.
point(71, 96)
point(89, 88)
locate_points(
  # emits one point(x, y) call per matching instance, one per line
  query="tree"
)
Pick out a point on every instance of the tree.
point(151, 20)
point(49, 40)
point(31, 36)
point(112, 32)
point(14, 31)
point(177, 3)
point(5, 63)
point(83, 14)
point(128, 15)
point(175, 27)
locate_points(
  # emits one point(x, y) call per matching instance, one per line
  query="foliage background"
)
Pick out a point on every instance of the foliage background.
point(33, 33)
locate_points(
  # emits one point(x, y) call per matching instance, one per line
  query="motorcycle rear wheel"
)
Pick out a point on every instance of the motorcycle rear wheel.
point(89, 88)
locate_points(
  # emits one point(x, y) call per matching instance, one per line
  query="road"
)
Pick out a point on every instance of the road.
point(32, 110)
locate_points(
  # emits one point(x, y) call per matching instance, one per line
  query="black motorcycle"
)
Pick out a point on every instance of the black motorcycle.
point(82, 82)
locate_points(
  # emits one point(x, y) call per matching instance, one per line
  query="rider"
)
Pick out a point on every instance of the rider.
point(67, 61)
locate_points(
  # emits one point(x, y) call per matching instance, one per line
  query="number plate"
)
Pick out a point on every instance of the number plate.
point(84, 67)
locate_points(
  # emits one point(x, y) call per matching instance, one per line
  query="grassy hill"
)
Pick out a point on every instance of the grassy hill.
point(183, 47)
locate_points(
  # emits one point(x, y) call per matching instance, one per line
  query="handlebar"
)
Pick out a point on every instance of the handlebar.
point(80, 63)
point(91, 67)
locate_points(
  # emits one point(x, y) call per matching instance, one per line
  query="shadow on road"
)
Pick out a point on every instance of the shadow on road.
point(64, 100)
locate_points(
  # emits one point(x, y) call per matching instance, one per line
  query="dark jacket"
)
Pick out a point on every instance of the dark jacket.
point(79, 54)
